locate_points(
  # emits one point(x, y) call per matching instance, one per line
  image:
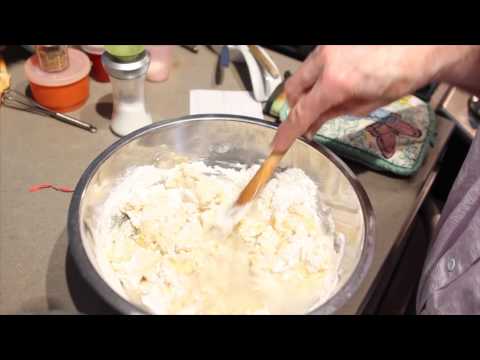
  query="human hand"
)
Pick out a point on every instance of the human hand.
point(357, 79)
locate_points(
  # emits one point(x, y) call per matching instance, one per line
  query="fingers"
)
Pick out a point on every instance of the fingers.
point(366, 107)
point(301, 117)
point(284, 137)
point(353, 107)
point(317, 124)
point(305, 77)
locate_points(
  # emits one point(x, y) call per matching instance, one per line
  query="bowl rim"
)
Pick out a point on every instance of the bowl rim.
point(101, 287)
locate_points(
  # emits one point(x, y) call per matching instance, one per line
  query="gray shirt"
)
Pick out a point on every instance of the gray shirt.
point(450, 282)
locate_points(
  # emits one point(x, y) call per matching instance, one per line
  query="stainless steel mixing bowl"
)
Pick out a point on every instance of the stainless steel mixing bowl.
point(220, 139)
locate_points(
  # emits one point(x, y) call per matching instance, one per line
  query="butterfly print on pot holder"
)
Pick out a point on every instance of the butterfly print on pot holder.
point(386, 131)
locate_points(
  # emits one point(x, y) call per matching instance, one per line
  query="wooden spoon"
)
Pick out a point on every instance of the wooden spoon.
point(260, 179)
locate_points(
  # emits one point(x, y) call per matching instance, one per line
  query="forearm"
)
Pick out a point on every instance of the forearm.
point(461, 67)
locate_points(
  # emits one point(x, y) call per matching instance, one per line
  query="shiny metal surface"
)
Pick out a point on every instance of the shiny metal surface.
point(126, 70)
point(18, 101)
point(221, 139)
point(455, 106)
point(474, 106)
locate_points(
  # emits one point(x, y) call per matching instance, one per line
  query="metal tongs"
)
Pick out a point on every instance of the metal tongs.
point(14, 99)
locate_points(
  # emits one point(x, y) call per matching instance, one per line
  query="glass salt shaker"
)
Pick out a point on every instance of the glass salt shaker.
point(127, 69)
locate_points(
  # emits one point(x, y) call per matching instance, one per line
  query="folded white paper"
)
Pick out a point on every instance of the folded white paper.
point(224, 102)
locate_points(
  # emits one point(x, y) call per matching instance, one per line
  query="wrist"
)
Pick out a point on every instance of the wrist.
point(457, 65)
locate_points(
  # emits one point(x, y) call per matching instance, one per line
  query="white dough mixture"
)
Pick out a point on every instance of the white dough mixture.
point(160, 241)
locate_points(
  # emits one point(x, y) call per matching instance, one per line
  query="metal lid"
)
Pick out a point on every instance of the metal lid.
point(126, 70)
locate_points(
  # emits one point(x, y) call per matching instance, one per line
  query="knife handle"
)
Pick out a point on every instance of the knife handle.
point(223, 62)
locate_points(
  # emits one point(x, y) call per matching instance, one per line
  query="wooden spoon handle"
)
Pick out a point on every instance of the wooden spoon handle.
point(264, 61)
point(260, 179)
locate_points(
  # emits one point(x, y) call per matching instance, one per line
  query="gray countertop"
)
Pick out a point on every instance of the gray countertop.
point(36, 272)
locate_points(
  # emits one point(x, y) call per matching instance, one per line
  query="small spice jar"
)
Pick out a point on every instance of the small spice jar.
point(62, 91)
point(53, 58)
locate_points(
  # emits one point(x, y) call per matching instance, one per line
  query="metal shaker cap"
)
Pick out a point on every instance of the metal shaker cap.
point(126, 70)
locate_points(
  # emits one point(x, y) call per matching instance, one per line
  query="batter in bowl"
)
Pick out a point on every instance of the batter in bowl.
point(160, 240)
